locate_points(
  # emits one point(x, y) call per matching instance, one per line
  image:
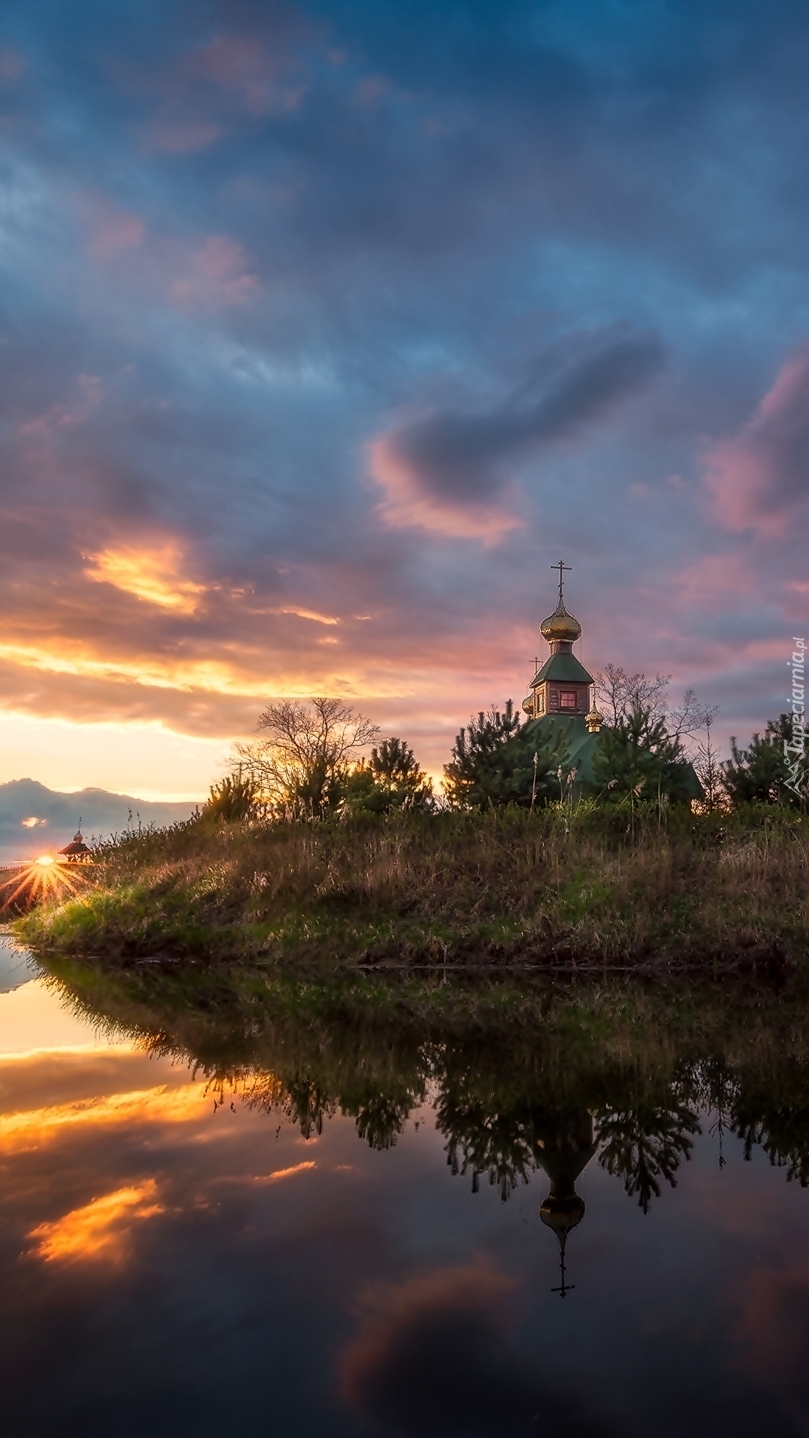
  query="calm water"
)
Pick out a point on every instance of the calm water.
point(183, 1254)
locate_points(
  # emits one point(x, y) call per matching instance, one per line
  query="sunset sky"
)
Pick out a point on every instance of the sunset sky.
point(328, 328)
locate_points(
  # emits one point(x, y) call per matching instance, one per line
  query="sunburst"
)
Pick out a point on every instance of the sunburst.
point(44, 878)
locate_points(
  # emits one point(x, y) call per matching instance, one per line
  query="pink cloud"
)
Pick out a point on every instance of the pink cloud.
point(89, 392)
point(715, 579)
point(216, 274)
point(758, 478)
point(243, 66)
point(409, 504)
point(12, 64)
point(392, 1315)
point(110, 229)
point(184, 137)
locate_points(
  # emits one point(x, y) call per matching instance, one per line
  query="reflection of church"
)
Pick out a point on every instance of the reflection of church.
point(563, 1153)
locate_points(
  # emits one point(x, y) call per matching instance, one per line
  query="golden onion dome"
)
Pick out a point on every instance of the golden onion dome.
point(560, 626)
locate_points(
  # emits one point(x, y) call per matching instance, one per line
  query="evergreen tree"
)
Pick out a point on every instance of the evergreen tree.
point(392, 779)
point(235, 797)
point(494, 761)
point(761, 773)
point(639, 758)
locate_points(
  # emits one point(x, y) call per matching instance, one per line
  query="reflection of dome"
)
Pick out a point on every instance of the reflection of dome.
point(560, 626)
point(562, 1214)
point(564, 1151)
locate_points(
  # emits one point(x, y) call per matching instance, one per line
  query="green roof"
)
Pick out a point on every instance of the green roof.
point(580, 746)
point(563, 669)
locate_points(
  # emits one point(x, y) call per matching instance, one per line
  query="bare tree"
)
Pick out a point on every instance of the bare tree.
point(707, 763)
point(620, 694)
point(690, 717)
point(302, 754)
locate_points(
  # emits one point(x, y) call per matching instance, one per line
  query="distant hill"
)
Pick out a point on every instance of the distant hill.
point(58, 815)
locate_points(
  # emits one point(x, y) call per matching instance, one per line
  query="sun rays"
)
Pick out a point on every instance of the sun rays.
point(47, 877)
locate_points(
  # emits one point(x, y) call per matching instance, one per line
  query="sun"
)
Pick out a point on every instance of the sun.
point(47, 877)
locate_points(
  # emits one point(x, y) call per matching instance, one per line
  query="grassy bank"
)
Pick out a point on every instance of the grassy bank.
point(587, 888)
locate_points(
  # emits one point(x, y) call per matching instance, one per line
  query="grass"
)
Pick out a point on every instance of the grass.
point(586, 888)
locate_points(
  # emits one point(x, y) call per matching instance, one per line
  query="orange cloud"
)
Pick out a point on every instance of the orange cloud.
point(101, 1229)
point(150, 574)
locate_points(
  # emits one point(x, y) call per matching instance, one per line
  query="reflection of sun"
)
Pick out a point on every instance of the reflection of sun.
point(44, 878)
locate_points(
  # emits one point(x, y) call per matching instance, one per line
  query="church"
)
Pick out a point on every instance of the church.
point(561, 703)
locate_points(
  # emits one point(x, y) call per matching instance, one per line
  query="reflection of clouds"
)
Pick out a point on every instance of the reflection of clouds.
point(280, 1173)
point(35, 1127)
point(100, 1229)
point(432, 1357)
point(772, 1328)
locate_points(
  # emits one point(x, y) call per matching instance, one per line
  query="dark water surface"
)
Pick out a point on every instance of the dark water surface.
point(195, 1242)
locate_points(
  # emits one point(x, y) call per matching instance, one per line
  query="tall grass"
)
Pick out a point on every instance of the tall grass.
point(586, 886)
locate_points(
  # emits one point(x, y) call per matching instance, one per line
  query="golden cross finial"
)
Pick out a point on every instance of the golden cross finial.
point(561, 567)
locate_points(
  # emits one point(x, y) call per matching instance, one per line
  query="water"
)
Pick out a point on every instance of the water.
point(220, 1250)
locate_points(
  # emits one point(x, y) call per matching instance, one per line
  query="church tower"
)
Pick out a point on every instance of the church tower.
point(562, 685)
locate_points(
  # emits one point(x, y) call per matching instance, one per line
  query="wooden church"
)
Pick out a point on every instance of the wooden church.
point(561, 702)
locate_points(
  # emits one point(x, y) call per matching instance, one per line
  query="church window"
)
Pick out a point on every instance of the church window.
point(567, 699)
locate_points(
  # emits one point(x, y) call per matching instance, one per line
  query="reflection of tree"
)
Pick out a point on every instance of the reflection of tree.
point(785, 1140)
point(382, 1116)
point(775, 1116)
point(511, 1064)
point(300, 1099)
point(647, 1143)
point(482, 1140)
point(380, 1112)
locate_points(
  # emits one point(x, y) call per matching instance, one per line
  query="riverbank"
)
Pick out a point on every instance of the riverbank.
point(587, 889)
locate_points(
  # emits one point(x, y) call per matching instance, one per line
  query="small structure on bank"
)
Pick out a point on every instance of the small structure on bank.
point(76, 852)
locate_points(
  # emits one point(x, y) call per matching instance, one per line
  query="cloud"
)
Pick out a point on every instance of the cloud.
point(110, 229)
point(218, 273)
point(759, 478)
point(151, 574)
point(101, 1229)
point(451, 471)
point(242, 65)
point(432, 1357)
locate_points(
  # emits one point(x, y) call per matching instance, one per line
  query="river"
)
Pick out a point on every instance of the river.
point(196, 1243)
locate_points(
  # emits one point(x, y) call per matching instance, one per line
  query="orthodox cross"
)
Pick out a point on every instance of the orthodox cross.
point(561, 567)
point(564, 1287)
